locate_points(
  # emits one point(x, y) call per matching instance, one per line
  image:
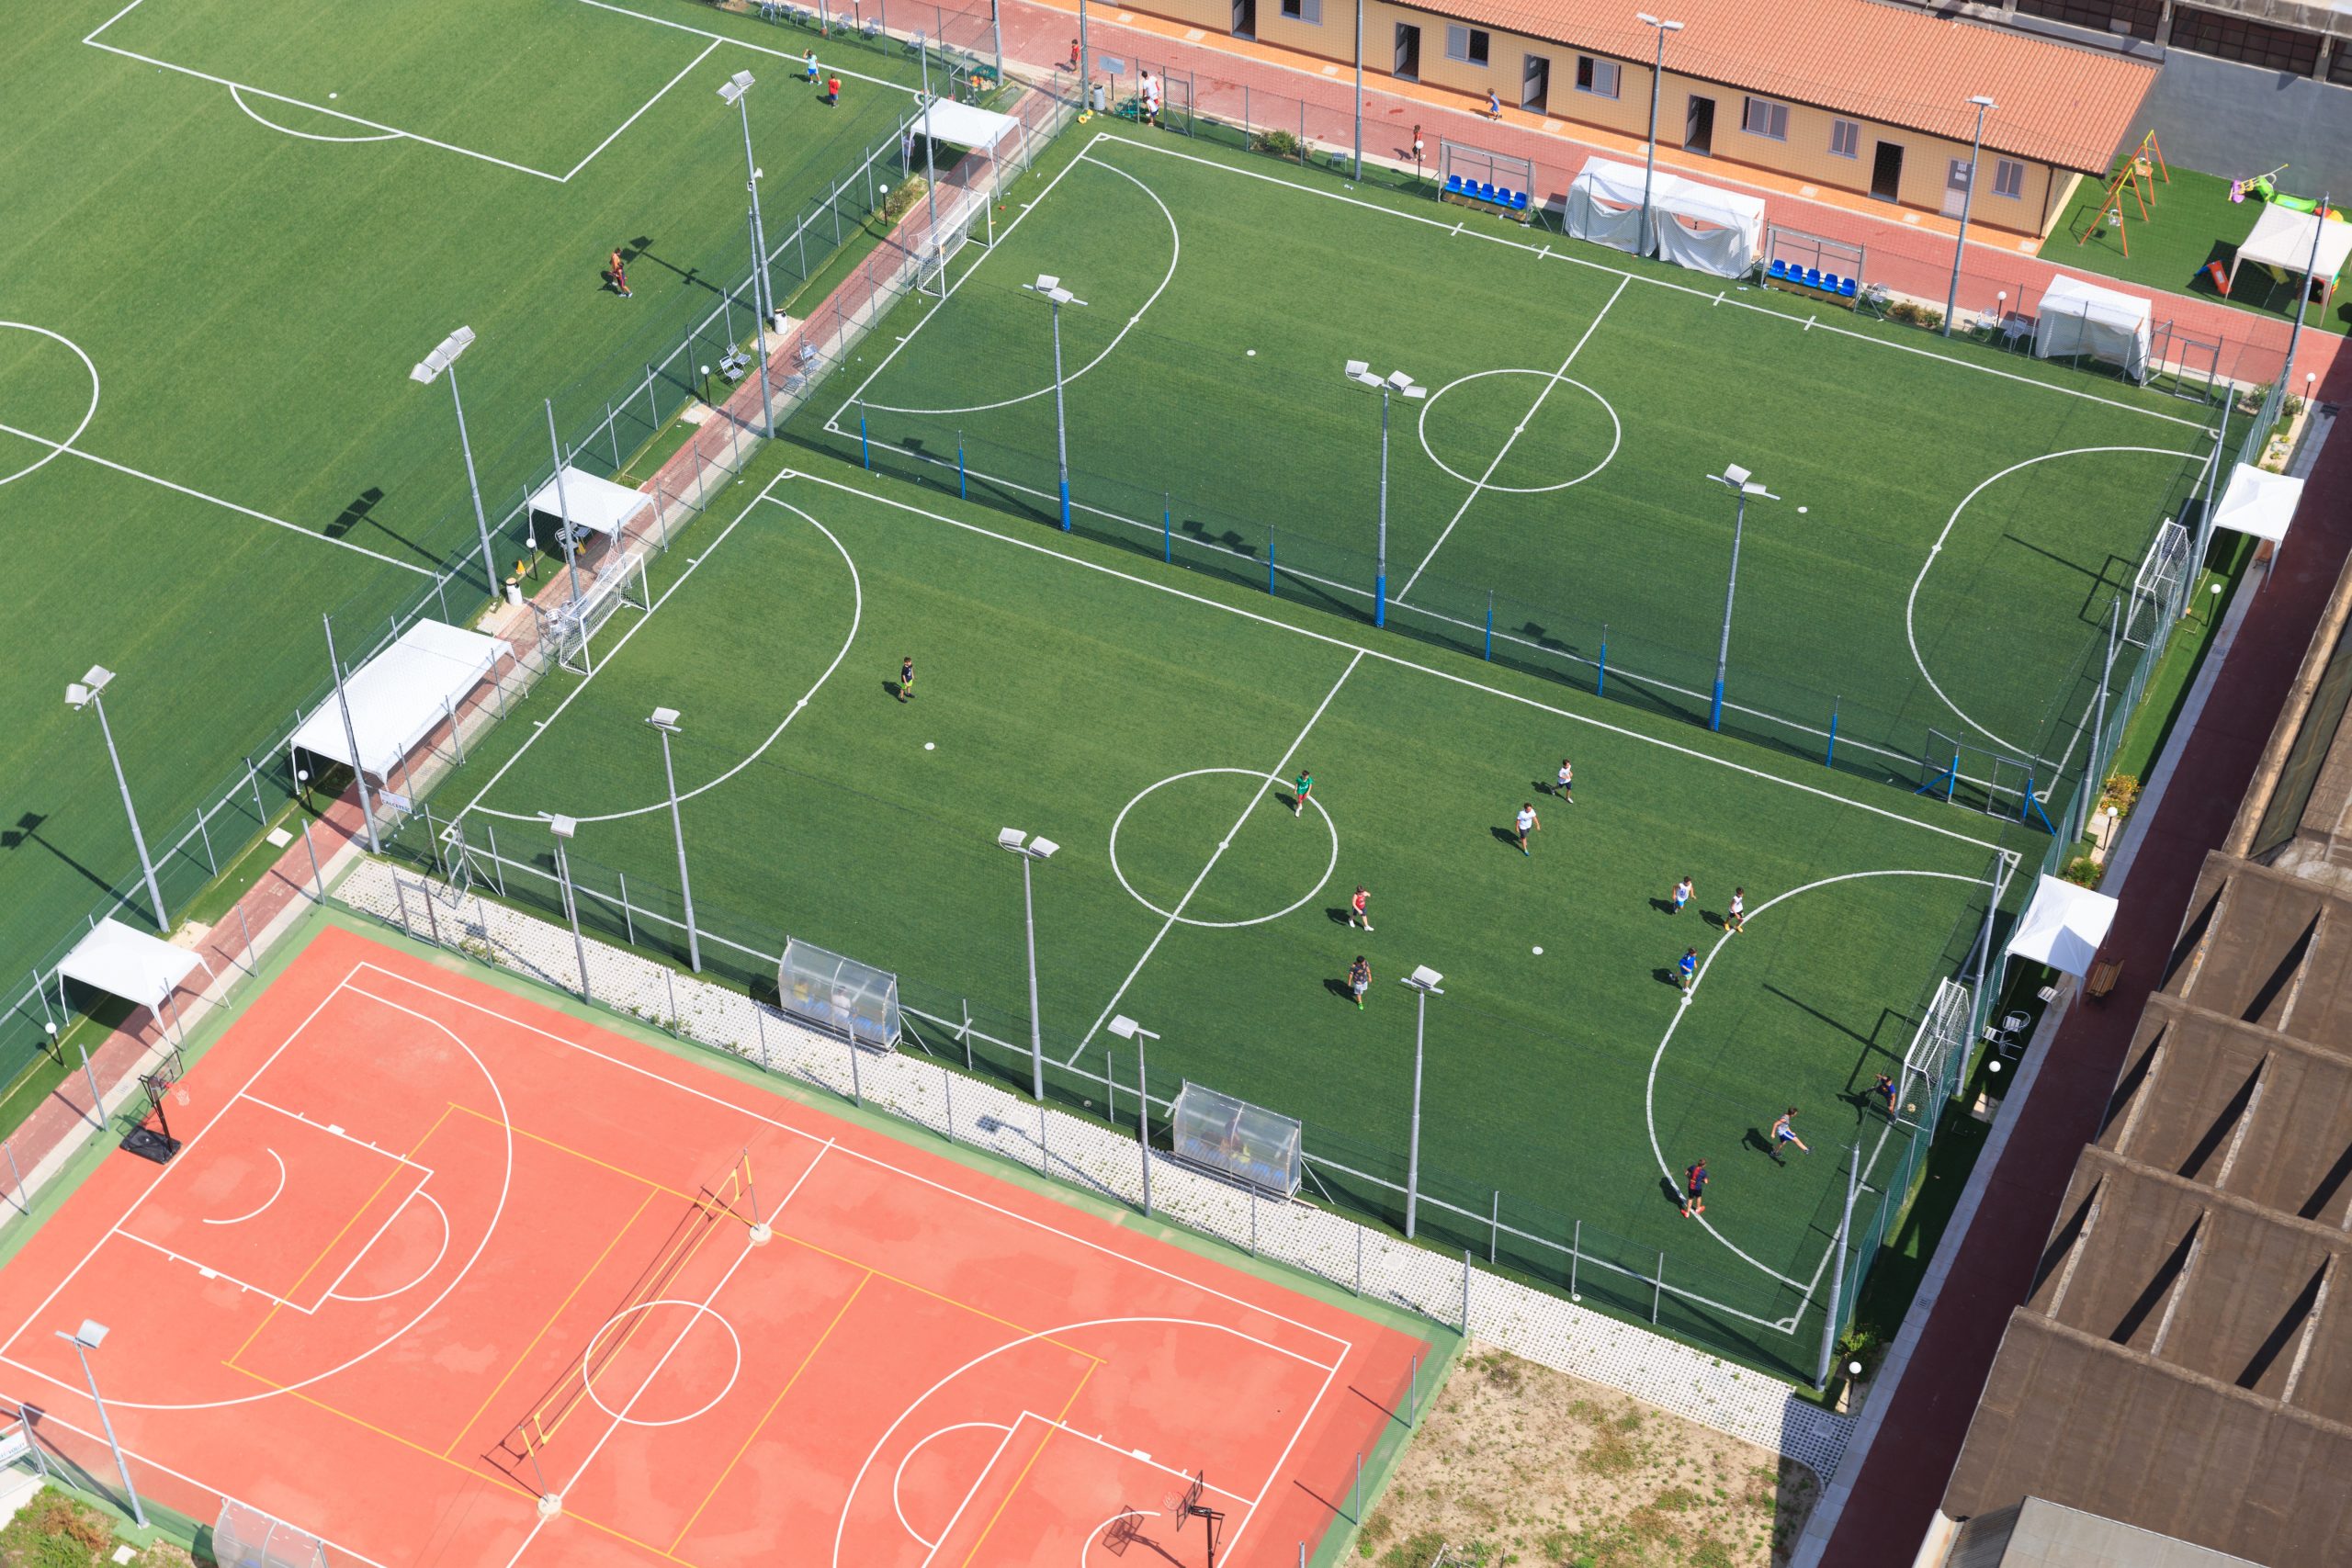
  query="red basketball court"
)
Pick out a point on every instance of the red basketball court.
point(445, 1276)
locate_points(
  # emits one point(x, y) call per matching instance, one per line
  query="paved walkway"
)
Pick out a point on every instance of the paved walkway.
point(1909, 251)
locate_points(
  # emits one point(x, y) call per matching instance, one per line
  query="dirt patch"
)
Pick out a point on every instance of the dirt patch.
point(54, 1530)
point(1517, 1464)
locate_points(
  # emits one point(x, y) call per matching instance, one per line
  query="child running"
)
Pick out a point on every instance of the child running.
point(1359, 979)
point(1688, 969)
point(1356, 915)
point(1566, 788)
point(1526, 823)
point(1682, 891)
point(1735, 918)
point(1783, 1134)
point(619, 273)
point(1694, 1183)
point(1300, 791)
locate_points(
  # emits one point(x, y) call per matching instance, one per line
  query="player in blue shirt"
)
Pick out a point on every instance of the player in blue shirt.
point(1884, 1091)
point(1688, 969)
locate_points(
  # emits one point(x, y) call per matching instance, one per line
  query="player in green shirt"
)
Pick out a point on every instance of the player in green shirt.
point(1300, 791)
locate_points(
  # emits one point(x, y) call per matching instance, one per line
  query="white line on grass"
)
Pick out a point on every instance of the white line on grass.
point(1809, 323)
point(648, 104)
point(237, 96)
point(754, 47)
point(1396, 659)
point(1517, 431)
point(89, 457)
point(1223, 845)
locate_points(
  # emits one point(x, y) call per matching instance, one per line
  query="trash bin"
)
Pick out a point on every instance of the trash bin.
point(1098, 98)
point(514, 593)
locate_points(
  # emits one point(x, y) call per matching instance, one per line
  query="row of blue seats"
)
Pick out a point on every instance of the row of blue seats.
point(1811, 277)
point(1501, 195)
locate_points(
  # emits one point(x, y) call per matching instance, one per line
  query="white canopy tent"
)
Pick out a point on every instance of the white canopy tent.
point(1702, 227)
point(2079, 317)
point(2063, 927)
point(2259, 504)
point(590, 505)
point(400, 694)
point(126, 962)
point(2282, 241)
point(964, 125)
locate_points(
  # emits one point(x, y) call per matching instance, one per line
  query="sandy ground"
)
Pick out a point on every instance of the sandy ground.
point(1517, 1464)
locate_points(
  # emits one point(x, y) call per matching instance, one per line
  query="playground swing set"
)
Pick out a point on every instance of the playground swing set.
point(2137, 174)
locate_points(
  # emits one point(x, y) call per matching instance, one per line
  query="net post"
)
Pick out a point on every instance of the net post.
point(1487, 653)
point(1167, 526)
point(1359, 1287)
point(16, 1175)
point(1600, 681)
point(628, 918)
point(1270, 560)
point(1830, 760)
point(1576, 1249)
point(856, 1081)
point(963, 486)
point(1357, 1516)
point(670, 981)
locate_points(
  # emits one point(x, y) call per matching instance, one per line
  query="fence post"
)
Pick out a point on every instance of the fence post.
point(1465, 1289)
point(497, 872)
point(1413, 1393)
point(670, 983)
point(1829, 1327)
point(967, 1003)
point(864, 450)
point(261, 817)
point(432, 921)
point(1143, 1117)
point(629, 920)
point(1356, 1518)
point(1488, 652)
point(1831, 760)
point(316, 875)
point(1494, 1228)
point(1270, 560)
point(1576, 1247)
point(760, 1030)
point(206, 834)
point(1359, 1260)
point(1657, 1291)
point(400, 898)
point(1252, 1196)
point(963, 487)
point(24, 1199)
point(1167, 526)
point(856, 1079)
point(97, 1101)
point(947, 1088)
point(1600, 681)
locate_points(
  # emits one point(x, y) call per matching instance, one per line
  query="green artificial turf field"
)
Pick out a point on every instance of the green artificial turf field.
point(234, 226)
point(1952, 527)
point(1149, 723)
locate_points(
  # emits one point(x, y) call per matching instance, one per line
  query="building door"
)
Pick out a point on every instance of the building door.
point(1408, 52)
point(1956, 187)
point(1245, 18)
point(1699, 126)
point(1887, 170)
point(1534, 82)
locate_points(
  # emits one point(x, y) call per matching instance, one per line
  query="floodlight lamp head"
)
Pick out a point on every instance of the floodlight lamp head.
point(1357, 369)
point(1122, 1026)
point(1732, 475)
point(91, 1335)
point(1011, 838)
point(1424, 978)
point(664, 718)
point(736, 87)
point(1982, 102)
point(77, 696)
point(1399, 380)
point(1046, 283)
point(563, 827)
point(1416, 391)
point(1042, 847)
point(445, 354)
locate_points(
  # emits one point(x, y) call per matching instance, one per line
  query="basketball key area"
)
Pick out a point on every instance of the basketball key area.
point(441, 1275)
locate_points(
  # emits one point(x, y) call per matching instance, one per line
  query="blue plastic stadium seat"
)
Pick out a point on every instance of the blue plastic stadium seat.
point(1846, 288)
point(1813, 277)
point(1778, 269)
point(1522, 201)
point(1830, 281)
point(1485, 190)
point(1453, 185)
point(1504, 197)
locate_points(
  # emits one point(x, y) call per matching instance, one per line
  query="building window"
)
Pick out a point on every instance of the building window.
point(2250, 43)
point(1765, 118)
point(2129, 18)
point(1308, 11)
point(1598, 77)
point(2009, 178)
point(1466, 44)
point(1845, 139)
point(2339, 65)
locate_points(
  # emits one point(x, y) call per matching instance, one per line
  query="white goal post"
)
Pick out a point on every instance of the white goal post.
point(572, 626)
point(2158, 586)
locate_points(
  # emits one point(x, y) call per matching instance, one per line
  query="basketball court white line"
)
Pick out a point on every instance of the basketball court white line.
point(898, 1476)
point(1142, 1458)
point(60, 447)
point(208, 1272)
point(1400, 661)
point(973, 1490)
point(265, 1203)
point(336, 1291)
point(1233, 1542)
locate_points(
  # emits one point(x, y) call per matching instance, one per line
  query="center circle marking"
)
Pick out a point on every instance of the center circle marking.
point(87, 415)
point(700, 1311)
point(1311, 893)
point(1616, 431)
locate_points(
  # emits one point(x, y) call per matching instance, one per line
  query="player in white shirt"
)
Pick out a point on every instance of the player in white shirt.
point(1735, 918)
point(1526, 823)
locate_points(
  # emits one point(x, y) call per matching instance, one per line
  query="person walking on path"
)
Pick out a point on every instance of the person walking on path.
point(1526, 823)
point(1694, 1185)
point(1494, 104)
point(1356, 913)
point(1682, 891)
point(619, 273)
point(1359, 979)
point(1783, 1134)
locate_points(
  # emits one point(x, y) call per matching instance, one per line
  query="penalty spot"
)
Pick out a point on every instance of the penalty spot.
point(929, 746)
point(1539, 952)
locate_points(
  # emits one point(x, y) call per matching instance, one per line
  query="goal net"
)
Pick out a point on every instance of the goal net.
point(1938, 1054)
point(2157, 587)
point(574, 625)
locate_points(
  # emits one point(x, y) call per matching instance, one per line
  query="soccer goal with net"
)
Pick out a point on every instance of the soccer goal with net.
point(572, 626)
point(2159, 586)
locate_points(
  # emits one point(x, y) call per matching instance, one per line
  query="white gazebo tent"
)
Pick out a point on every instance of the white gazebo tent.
point(401, 697)
point(2079, 317)
point(2259, 504)
point(590, 505)
point(127, 963)
point(963, 124)
point(2063, 927)
point(2282, 241)
point(1699, 226)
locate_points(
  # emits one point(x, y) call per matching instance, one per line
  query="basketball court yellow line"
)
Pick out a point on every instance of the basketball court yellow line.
point(1034, 1456)
point(935, 1295)
point(575, 1153)
point(562, 1307)
point(337, 1240)
point(761, 1425)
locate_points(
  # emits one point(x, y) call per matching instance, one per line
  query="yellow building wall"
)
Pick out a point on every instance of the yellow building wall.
point(1804, 154)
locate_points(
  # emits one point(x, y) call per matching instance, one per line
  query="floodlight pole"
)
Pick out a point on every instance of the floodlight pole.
point(1737, 478)
point(1359, 114)
point(564, 533)
point(738, 90)
point(1126, 1028)
point(1380, 563)
point(1422, 992)
point(1649, 158)
point(1837, 1278)
point(1036, 1024)
point(139, 839)
point(122, 1468)
point(1967, 200)
point(473, 485)
point(351, 739)
point(930, 168)
point(665, 722)
point(1061, 417)
point(563, 829)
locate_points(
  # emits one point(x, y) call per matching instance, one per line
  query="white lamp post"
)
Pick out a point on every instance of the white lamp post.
point(88, 1337)
point(84, 692)
point(1036, 848)
point(444, 358)
point(762, 304)
point(1393, 382)
point(1657, 73)
point(1967, 199)
point(1051, 287)
point(563, 828)
point(1424, 982)
point(1743, 485)
point(665, 721)
point(1126, 1028)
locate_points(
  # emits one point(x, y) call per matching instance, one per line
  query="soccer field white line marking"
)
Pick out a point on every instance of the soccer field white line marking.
point(1396, 659)
point(954, 284)
point(237, 96)
point(1682, 1006)
point(1517, 431)
point(1809, 323)
point(1910, 604)
point(648, 104)
point(961, 1196)
point(1177, 914)
point(86, 456)
point(633, 628)
point(87, 415)
point(754, 47)
point(857, 616)
point(265, 1203)
point(1176, 256)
